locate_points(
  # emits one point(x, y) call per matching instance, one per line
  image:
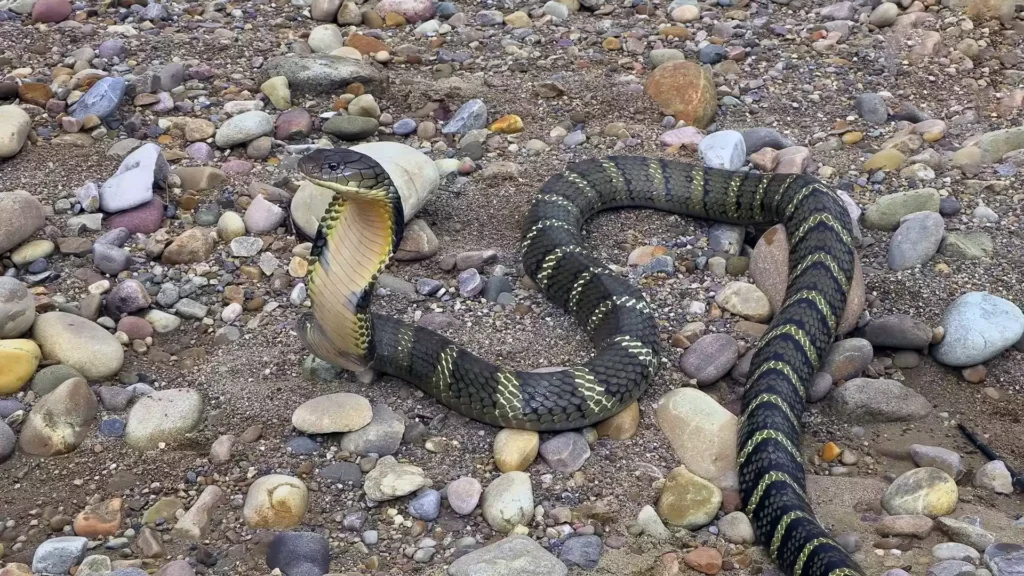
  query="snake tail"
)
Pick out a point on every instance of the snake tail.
point(621, 325)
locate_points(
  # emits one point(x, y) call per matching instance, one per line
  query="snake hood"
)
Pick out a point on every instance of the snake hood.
point(362, 226)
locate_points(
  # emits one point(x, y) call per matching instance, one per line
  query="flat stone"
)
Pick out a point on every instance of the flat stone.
point(381, 436)
point(916, 240)
point(897, 331)
point(848, 358)
point(916, 525)
point(23, 217)
point(390, 480)
point(321, 73)
point(886, 212)
point(566, 452)
point(59, 555)
point(687, 500)
point(133, 184)
point(965, 533)
point(79, 343)
point(299, 553)
point(165, 416)
point(515, 555)
point(935, 457)
point(702, 433)
point(882, 400)
point(340, 412)
point(17, 308)
point(746, 301)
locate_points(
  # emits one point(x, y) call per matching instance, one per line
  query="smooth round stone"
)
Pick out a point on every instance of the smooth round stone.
point(47, 379)
point(112, 427)
point(848, 358)
point(508, 501)
point(60, 421)
point(464, 494)
point(735, 527)
point(404, 127)
point(995, 477)
point(30, 251)
point(426, 506)
point(978, 327)
point(936, 457)
point(566, 452)
point(127, 297)
point(17, 308)
point(79, 343)
point(59, 555)
point(688, 501)
point(165, 416)
point(275, 501)
point(515, 450)
point(723, 149)
point(243, 128)
point(925, 491)
point(341, 412)
point(821, 385)
point(702, 434)
point(710, 358)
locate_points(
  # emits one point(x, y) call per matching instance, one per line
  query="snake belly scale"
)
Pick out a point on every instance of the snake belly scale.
point(362, 228)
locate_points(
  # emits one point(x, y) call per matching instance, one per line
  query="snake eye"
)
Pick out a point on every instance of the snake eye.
point(333, 167)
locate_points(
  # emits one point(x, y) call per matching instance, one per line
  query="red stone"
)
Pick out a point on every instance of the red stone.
point(51, 11)
point(136, 328)
point(144, 219)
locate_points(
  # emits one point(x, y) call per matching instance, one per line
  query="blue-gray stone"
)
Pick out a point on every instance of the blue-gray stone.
point(110, 259)
point(299, 554)
point(1005, 559)
point(711, 54)
point(342, 472)
point(658, 264)
point(426, 506)
point(116, 237)
point(7, 441)
point(404, 127)
point(446, 10)
point(102, 99)
point(128, 572)
point(727, 238)
point(949, 206)
point(566, 452)
point(470, 283)
point(916, 240)
point(583, 551)
point(9, 406)
point(757, 138)
point(58, 555)
point(871, 108)
point(303, 445)
point(428, 286)
point(470, 116)
point(723, 149)
point(112, 427)
point(951, 568)
point(496, 285)
point(978, 327)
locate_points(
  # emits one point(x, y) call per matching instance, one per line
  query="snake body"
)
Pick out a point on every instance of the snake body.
point(363, 226)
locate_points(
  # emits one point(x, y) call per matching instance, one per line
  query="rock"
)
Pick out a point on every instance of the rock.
point(965, 533)
point(1005, 559)
point(995, 477)
point(848, 358)
point(59, 421)
point(47, 379)
point(978, 326)
point(351, 128)
point(566, 452)
point(193, 525)
point(110, 259)
point(99, 520)
point(470, 116)
point(582, 551)
point(59, 555)
point(23, 215)
point(381, 436)
point(992, 146)
point(464, 495)
point(192, 245)
point(15, 125)
point(299, 553)
point(324, 39)
point(916, 240)
point(79, 343)
point(621, 426)
point(872, 108)
point(162, 322)
point(967, 245)
point(127, 297)
point(515, 450)
point(702, 433)
point(508, 501)
point(426, 506)
point(390, 480)
point(165, 416)
point(922, 491)
point(418, 242)
point(884, 15)
point(243, 128)
point(321, 73)
point(955, 551)
point(144, 219)
point(684, 90)
point(704, 560)
point(769, 265)
point(651, 524)
point(515, 555)
point(687, 500)
point(735, 527)
point(262, 216)
point(341, 412)
point(412, 10)
point(915, 525)
point(17, 309)
point(723, 149)
point(935, 457)
point(8, 441)
point(745, 300)
point(138, 175)
point(102, 100)
point(710, 358)
point(887, 211)
point(868, 400)
point(200, 178)
point(950, 568)
point(897, 331)
point(275, 501)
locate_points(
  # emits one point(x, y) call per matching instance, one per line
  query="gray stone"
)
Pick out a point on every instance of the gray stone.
point(514, 556)
point(470, 283)
point(138, 175)
point(897, 331)
point(22, 216)
point(351, 128)
point(188, 308)
point(887, 211)
point(165, 416)
point(967, 245)
point(871, 108)
point(382, 436)
point(243, 128)
point(102, 99)
point(321, 73)
point(995, 477)
point(1005, 559)
point(342, 472)
point(710, 358)
point(582, 551)
point(821, 385)
point(757, 138)
point(426, 506)
point(726, 238)
point(916, 240)
point(110, 259)
point(59, 555)
point(470, 116)
point(7, 441)
point(951, 568)
point(17, 308)
point(299, 554)
point(867, 400)
point(723, 149)
point(127, 297)
point(935, 457)
point(955, 551)
point(848, 358)
point(464, 494)
point(965, 533)
point(839, 11)
point(566, 452)
point(978, 327)
point(735, 527)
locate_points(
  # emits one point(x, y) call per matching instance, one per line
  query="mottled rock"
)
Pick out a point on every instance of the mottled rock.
point(922, 491)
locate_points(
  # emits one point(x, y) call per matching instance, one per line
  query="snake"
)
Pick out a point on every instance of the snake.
point(363, 226)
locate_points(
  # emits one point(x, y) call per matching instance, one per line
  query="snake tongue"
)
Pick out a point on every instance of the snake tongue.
point(316, 341)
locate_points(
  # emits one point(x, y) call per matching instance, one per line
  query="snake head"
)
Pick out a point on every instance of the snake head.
point(353, 174)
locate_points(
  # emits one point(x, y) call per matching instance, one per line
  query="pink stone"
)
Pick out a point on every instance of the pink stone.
point(237, 167)
point(144, 219)
point(793, 160)
point(687, 136)
point(292, 124)
point(51, 11)
point(136, 328)
point(411, 10)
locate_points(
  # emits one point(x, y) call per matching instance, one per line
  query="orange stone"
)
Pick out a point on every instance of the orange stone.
point(623, 425)
point(611, 43)
point(685, 90)
point(704, 560)
point(509, 124)
point(99, 520)
point(355, 89)
point(35, 93)
point(366, 44)
point(830, 452)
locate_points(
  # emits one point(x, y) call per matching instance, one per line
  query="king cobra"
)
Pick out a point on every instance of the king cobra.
point(363, 226)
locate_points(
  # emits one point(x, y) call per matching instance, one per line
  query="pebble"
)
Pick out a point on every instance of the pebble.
point(922, 491)
point(25, 217)
point(687, 500)
point(15, 125)
point(381, 436)
point(955, 551)
point(390, 480)
point(582, 551)
point(566, 452)
point(8, 441)
point(275, 501)
point(340, 412)
point(426, 506)
point(463, 495)
point(262, 216)
point(710, 358)
point(978, 326)
point(746, 301)
point(916, 240)
point(704, 560)
point(897, 331)
point(725, 149)
point(508, 501)
point(244, 128)
point(515, 450)
point(735, 527)
point(101, 100)
point(871, 107)
point(472, 115)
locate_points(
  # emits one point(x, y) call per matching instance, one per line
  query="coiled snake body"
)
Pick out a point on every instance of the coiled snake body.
point(363, 226)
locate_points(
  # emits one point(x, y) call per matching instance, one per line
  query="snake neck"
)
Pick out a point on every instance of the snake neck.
point(355, 241)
